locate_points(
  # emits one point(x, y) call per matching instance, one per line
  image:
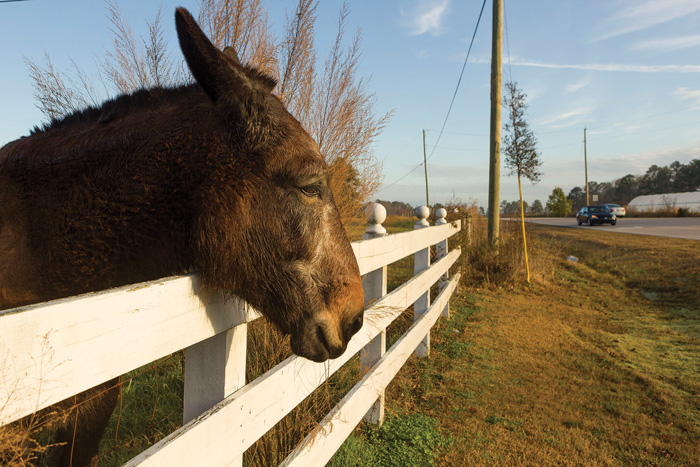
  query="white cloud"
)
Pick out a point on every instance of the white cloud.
point(573, 87)
point(643, 15)
point(615, 67)
point(428, 17)
point(668, 45)
point(638, 163)
point(685, 93)
point(471, 182)
point(564, 119)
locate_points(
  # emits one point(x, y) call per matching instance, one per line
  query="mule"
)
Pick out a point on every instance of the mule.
point(215, 177)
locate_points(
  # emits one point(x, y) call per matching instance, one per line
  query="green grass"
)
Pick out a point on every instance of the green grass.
point(410, 440)
point(595, 363)
point(150, 409)
point(395, 224)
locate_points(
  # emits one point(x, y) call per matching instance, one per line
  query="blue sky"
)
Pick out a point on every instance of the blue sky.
point(628, 70)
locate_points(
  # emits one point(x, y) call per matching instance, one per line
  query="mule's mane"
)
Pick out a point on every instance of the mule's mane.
point(120, 106)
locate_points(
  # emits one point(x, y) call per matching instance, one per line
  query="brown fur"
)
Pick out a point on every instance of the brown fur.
point(217, 177)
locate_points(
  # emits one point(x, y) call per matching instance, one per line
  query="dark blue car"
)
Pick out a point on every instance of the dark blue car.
point(592, 215)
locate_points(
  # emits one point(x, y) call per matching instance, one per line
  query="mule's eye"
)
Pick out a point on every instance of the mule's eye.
point(311, 190)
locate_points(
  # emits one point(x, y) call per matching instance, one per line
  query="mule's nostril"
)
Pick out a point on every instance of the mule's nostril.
point(353, 326)
point(330, 341)
point(321, 336)
point(357, 323)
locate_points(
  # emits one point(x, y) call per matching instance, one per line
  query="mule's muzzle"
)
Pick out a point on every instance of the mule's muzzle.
point(324, 337)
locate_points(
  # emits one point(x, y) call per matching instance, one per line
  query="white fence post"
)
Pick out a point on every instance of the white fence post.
point(441, 251)
point(214, 369)
point(421, 262)
point(213, 333)
point(374, 284)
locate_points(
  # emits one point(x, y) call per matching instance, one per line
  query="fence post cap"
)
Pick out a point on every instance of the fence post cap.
point(377, 216)
point(422, 213)
point(441, 214)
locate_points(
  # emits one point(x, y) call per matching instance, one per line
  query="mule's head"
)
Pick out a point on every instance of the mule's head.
point(267, 228)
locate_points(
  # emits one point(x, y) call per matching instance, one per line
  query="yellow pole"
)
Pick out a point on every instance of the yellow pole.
point(522, 220)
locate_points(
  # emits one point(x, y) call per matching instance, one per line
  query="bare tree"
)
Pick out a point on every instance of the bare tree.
point(520, 148)
point(335, 106)
point(297, 63)
point(343, 121)
point(241, 24)
point(129, 65)
point(58, 93)
point(329, 99)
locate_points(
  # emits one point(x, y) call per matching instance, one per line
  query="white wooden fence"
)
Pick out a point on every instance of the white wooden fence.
point(51, 351)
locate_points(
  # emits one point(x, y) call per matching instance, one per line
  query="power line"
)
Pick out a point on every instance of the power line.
point(461, 134)
point(401, 178)
point(476, 28)
point(458, 149)
point(459, 81)
point(505, 18)
point(694, 106)
point(559, 131)
point(617, 136)
point(559, 145)
point(607, 124)
point(404, 146)
point(647, 130)
point(410, 171)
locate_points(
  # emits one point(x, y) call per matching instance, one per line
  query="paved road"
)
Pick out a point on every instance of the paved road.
point(678, 227)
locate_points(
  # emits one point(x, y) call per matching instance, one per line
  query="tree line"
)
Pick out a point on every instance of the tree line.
point(674, 178)
point(397, 208)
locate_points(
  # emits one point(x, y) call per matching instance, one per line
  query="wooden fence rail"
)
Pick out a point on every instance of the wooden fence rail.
point(51, 351)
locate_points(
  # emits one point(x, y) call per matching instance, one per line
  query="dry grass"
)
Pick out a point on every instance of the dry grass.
point(151, 400)
point(266, 348)
point(18, 446)
point(594, 364)
point(483, 266)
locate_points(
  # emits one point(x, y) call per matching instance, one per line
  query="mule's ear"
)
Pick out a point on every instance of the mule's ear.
point(201, 56)
point(231, 52)
point(240, 93)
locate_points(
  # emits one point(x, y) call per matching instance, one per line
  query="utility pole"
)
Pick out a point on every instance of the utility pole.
point(585, 164)
point(495, 139)
point(425, 165)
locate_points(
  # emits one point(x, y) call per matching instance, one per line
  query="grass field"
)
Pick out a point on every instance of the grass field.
point(596, 363)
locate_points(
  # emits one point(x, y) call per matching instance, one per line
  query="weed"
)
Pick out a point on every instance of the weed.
point(511, 425)
point(410, 440)
point(356, 451)
point(467, 395)
point(456, 349)
point(579, 369)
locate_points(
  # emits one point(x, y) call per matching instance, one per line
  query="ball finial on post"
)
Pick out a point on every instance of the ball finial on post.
point(422, 213)
point(376, 218)
point(441, 215)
